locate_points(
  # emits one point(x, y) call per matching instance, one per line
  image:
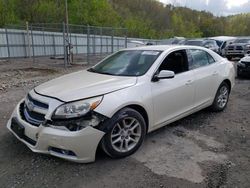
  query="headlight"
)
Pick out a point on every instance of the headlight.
point(76, 109)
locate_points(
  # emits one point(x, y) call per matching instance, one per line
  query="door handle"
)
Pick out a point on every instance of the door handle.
point(215, 73)
point(189, 82)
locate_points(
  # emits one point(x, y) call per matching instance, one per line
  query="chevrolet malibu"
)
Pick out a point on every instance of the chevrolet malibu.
point(117, 102)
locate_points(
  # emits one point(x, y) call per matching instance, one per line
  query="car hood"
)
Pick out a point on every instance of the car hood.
point(239, 44)
point(83, 84)
point(247, 58)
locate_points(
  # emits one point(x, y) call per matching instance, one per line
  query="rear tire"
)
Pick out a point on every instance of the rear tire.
point(221, 98)
point(126, 132)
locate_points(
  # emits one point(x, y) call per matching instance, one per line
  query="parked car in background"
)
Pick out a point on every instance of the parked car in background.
point(178, 40)
point(117, 102)
point(223, 42)
point(238, 49)
point(174, 40)
point(243, 67)
point(135, 43)
point(207, 43)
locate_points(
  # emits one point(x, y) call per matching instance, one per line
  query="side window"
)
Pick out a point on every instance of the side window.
point(176, 62)
point(210, 58)
point(200, 59)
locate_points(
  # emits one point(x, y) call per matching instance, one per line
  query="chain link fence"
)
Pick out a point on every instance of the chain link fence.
point(68, 44)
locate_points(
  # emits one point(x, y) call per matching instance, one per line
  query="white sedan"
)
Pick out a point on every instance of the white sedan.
point(118, 101)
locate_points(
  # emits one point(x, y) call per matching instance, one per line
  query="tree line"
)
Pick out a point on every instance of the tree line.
point(142, 18)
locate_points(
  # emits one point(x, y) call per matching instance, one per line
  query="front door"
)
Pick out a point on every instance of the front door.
point(173, 97)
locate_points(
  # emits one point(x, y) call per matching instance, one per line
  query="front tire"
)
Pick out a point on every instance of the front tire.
point(221, 98)
point(127, 129)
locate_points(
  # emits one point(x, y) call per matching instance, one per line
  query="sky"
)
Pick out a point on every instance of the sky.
point(217, 7)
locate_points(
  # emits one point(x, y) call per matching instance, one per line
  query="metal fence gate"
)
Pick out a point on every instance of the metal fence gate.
point(75, 43)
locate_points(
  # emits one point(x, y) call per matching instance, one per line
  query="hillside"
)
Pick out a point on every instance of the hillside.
point(143, 18)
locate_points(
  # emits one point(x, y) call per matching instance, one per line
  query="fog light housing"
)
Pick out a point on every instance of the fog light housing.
point(62, 151)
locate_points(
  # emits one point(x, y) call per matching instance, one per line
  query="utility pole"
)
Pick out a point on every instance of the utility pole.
point(66, 18)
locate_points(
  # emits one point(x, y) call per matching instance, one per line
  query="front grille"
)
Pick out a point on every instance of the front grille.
point(30, 111)
point(37, 103)
point(230, 47)
point(239, 48)
point(246, 63)
point(33, 117)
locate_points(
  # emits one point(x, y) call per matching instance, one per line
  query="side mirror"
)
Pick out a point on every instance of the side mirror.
point(164, 74)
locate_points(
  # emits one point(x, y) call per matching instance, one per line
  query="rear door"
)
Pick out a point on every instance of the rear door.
point(206, 76)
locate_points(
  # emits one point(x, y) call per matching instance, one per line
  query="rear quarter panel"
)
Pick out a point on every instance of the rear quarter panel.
point(226, 72)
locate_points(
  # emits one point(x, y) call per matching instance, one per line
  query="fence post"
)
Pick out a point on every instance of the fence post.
point(7, 42)
point(32, 39)
point(107, 45)
point(24, 45)
point(54, 45)
point(64, 46)
point(88, 50)
point(94, 42)
point(44, 47)
point(126, 38)
point(101, 40)
point(28, 39)
point(76, 43)
point(112, 40)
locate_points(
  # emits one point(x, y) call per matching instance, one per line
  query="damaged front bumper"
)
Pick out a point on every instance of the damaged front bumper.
point(78, 146)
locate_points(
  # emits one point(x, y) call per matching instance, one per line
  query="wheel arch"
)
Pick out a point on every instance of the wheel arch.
point(139, 108)
point(228, 82)
point(142, 111)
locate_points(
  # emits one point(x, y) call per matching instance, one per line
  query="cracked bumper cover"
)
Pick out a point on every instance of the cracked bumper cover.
point(82, 143)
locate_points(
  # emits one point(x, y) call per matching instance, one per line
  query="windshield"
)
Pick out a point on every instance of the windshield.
point(208, 42)
point(194, 42)
point(219, 42)
point(127, 63)
point(242, 41)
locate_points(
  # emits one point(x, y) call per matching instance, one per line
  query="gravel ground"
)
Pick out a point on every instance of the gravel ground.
point(203, 150)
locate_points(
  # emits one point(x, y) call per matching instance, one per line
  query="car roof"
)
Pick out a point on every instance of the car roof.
point(195, 39)
point(165, 47)
point(243, 38)
point(223, 38)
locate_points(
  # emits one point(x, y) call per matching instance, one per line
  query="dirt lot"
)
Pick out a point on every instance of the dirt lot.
point(203, 150)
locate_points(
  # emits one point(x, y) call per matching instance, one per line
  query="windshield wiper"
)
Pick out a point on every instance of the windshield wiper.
point(92, 70)
point(95, 71)
point(107, 73)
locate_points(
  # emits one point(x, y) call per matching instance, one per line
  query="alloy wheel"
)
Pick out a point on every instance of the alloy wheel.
point(126, 134)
